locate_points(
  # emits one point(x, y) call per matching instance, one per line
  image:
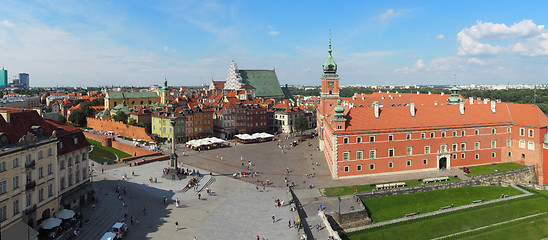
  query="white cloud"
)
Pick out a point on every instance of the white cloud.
point(7, 23)
point(440, 36)
point(166, 49)
point(274, 33)
point(418, 65)
point(475, 61)
point(527, 39)
point(387, 15)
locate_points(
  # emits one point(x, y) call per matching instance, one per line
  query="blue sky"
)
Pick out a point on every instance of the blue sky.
point(137, 43)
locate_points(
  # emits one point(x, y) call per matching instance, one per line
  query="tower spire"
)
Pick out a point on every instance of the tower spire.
point(330, 67)
point(329, 43)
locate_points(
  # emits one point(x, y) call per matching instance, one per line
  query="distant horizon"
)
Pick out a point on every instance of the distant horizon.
point(190, 42)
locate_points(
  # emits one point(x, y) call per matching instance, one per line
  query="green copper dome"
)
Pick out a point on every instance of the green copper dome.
point(330, 67)
point(339, 112)
point(454, 99)
point(165, 88)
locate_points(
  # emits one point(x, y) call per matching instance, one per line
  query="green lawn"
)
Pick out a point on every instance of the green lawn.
point(491, 168)
point(466, 219)
point(530, 228)
point(392, 207)
point(102, 154)
point(347, 190)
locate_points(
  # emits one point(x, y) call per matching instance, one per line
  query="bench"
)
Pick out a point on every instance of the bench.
point(477, 201)
point(390, 185)
point(446, 207)
point(410, 214)
point(438, 179)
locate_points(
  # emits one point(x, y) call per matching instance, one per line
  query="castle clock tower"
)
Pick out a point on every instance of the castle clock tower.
point(330, 84)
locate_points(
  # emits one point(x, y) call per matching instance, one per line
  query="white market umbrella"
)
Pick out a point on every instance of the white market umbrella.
point(50, 223)
point(65, 214)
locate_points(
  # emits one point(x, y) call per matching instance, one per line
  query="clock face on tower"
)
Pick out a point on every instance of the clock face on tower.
point(330, 84)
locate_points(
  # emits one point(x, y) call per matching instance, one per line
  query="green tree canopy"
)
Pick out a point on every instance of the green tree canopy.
point(120, 117)
point(78, 117)
point(301, 123)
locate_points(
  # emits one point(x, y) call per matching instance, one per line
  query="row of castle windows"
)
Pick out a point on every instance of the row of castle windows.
point(443, 149)
point(432, 134)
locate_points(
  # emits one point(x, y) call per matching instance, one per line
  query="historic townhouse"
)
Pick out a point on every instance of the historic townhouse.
point(72, 168)
point(387, 133)
point(28, 191)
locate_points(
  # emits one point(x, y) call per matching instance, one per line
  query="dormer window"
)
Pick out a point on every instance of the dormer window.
point(60, 146)
point(75, 140)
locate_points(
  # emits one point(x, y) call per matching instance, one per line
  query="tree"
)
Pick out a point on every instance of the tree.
point(132, 122)
point(78, 117)
point(301, 123)
point(62, 119)
point(98, 102)
point(120, 117)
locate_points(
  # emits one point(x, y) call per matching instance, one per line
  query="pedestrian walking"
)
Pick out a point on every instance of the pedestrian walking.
point(256, 186)
point(199, 196)
point(264, 189)
point(176, 226)
point(273, 218)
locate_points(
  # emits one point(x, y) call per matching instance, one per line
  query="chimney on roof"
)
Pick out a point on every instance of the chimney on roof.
point(429, 93)
point(6, 114)
point(461, 108)
point(376, 111)
point(485, 100)
point(418, 93)
point(471, 100)
point(493, 107)
point(412, 109)
point(442, 93)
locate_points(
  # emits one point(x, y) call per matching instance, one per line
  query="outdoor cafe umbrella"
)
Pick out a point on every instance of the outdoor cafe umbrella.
point(50, 223)
point(65, 214)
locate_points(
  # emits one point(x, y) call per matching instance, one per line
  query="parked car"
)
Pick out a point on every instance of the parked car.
point(120, 229)
point(109, 236)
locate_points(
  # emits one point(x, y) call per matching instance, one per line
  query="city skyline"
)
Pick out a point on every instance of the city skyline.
point(191, 42)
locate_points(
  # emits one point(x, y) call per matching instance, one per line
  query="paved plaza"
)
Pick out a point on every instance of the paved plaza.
point(235, 209)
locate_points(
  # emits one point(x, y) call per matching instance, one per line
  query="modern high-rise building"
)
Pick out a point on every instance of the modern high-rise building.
point(3, 78)
point(24, 80)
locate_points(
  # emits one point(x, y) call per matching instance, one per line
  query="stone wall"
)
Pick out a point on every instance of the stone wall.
point(521, 175)
point(119, 128)
point(353, 219)
point(428, 187)
point(132, 150)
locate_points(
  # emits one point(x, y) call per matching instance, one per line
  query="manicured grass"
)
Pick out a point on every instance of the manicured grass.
point(347, 190)
point(101, 155)
point(104, 156)
point(491, 168)
point(392, 207)
point(530, 228)
point(453, 222)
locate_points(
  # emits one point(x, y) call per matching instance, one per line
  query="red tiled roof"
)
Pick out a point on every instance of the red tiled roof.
point(66, 133)
point(21, 122)
point(527, 115)
point(428, 116)
point(219, 84)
